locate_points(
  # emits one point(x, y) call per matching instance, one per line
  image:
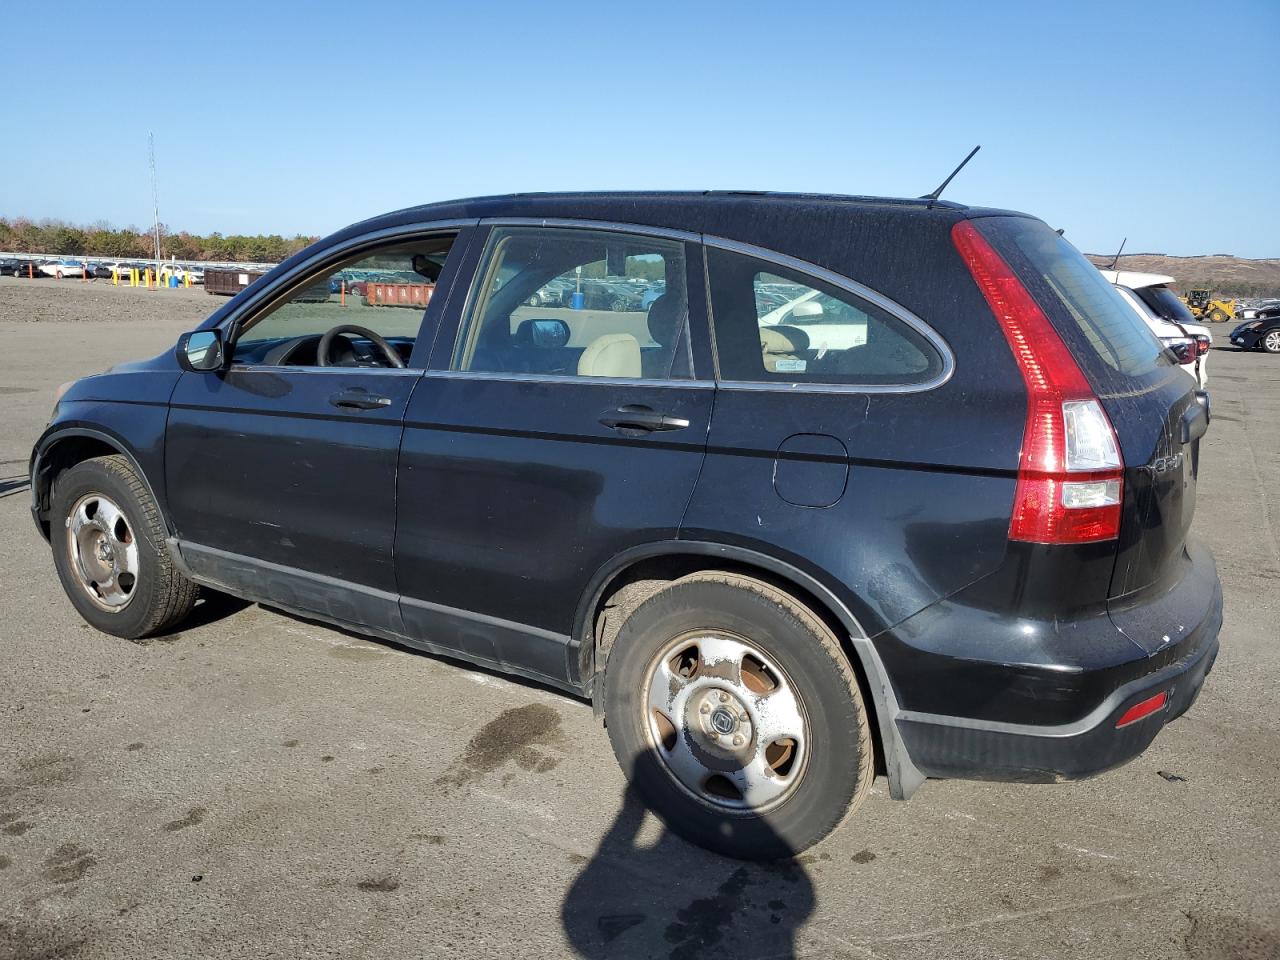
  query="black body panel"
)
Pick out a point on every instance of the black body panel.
point(481, 515)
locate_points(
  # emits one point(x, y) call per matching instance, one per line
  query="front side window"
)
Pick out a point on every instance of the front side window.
point(577, 303)
point(773, 324)
point(386, 293)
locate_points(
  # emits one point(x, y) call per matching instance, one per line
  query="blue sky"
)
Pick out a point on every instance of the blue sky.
point(1155, 121)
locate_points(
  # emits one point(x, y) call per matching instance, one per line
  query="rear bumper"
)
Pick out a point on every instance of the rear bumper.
point(942, 746)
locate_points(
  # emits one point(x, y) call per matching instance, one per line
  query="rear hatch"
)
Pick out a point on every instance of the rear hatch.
point(1150, 401)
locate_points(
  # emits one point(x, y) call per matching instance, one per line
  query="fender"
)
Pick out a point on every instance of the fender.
point(904, 777)
point(59, 433)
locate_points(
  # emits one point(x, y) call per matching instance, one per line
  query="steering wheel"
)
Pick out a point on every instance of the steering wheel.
point(324, 359)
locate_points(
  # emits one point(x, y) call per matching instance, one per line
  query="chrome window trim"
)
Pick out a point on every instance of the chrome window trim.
point(570, 378)
point(607, 226)
point(300, 368)
point(891, 307)
point(268, 295)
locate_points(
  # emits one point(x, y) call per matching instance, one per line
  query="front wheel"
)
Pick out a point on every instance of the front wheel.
point(1271, 342)
point(1218, 315)
point(109, 550)
point(733, 710)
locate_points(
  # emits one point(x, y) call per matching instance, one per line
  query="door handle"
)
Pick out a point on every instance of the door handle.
point(637, 418)
point(358, 398)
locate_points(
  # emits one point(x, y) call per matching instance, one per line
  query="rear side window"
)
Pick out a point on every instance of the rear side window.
point(1103, 328)
point(775, 324)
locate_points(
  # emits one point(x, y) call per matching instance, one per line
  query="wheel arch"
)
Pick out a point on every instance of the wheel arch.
point(649, 566)
point(67, 447)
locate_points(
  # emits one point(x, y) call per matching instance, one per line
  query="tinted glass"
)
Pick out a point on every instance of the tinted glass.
point(1103, 326)
point(1165, 303)
point(774, 324)
point(566, 302)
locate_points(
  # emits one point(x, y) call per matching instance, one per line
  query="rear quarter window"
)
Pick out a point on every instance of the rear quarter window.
point(775, 323)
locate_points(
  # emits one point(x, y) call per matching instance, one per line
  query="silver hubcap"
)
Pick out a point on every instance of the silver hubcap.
point(103, 551)
point(1273, 340)
point(726, 722)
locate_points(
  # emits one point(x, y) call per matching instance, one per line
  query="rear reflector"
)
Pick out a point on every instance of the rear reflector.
point(1143, 709)
point(1070, 472)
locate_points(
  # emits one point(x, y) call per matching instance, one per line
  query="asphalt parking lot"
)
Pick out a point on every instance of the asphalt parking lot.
point(259, 786)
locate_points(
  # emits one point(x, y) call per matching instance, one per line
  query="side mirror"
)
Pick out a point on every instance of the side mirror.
point(201, 351)
point(550, 334)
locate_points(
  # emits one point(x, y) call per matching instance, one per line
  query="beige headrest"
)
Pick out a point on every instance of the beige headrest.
point(611, 355)
point(782, 341)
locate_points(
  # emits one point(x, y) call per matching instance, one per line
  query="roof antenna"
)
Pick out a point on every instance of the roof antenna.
point(1116, 258)
point(931, 197)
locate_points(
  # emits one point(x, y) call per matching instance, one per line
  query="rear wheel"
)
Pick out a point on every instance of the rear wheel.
point(1271, 342)
point(734, 712)
point(108, 546)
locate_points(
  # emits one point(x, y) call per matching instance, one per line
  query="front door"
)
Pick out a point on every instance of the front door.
point(281, 470)
point(561, 425)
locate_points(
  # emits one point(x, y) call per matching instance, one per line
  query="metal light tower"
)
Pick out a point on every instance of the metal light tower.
point(155, 197)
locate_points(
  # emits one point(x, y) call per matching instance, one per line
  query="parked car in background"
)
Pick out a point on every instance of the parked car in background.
point(182, 272)
point(652, 293)
point(63, 268)
point(1252, 309)
point(1164, 313)
point(557, 293)
point(12, 267)
point(1261, 333)
point(781, 551)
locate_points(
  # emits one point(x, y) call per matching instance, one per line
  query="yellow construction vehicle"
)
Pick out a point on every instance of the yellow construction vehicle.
point(1202, 307)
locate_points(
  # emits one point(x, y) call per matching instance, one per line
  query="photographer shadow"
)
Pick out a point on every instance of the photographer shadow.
point(672, 899)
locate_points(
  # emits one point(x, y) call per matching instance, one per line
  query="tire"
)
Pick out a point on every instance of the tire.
point(1271, 341)
point(123, 583)
point(820, 780)
point(1217, 316)
point(57, 275)
point(618, 305)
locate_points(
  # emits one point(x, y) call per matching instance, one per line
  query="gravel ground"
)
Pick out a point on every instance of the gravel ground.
point(260, 786)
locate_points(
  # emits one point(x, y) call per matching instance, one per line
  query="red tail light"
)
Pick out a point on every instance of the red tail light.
point(1203, 344)
point(1070, 473)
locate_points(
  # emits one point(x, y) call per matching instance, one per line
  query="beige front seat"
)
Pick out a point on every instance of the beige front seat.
point(611, 355)
point(782, 343)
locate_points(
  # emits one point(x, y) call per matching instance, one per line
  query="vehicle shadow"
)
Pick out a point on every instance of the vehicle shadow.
point(11, 485)
point(664, 897)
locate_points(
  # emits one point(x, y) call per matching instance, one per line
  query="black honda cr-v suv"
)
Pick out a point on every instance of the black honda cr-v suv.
point(833, 486)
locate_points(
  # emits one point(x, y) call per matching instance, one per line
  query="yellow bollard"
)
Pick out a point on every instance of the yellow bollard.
point(115, 276)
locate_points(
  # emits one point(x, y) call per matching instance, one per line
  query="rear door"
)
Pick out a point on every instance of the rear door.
point(1151, 403)
point(550, 434)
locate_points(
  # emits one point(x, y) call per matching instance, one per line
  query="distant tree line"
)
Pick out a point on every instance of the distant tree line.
point(20, 235)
